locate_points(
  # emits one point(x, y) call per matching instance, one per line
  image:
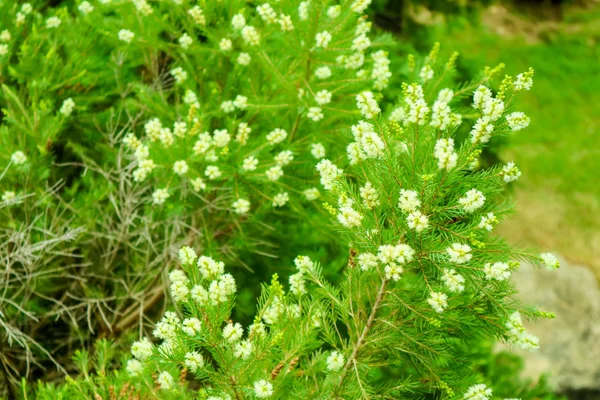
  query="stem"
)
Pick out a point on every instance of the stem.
point(364, 333)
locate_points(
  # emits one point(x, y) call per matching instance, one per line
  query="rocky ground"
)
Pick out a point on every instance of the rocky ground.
point(570, 344)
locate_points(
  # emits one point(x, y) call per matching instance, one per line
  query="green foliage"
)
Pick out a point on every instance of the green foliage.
point(135, 132)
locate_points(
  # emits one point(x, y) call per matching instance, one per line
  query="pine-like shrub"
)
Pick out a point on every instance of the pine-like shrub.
point(184, 136)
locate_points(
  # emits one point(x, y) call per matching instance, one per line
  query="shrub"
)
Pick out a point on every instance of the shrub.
point(196, 129)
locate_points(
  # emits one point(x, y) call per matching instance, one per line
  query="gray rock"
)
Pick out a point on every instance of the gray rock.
point(569, 344)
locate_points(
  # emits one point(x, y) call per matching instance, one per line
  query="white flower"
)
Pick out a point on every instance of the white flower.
point(126, 36)
point(134, 367)
point(266, 12)
point(53, 22)
point(445, 154)
point(286, 23)
point(499, 271)
point(303, 10)
point(67, 107)
point(243, 349)
point(426, 73)
point(322, 39)
point(85, 7)
point(191, 326)
point(276, 136)
point(493, 109)
point(180, 167)
point(393, 271)
point(3, 49)
point(190, 97)
point(359, 6)
point(198, 184)
point(400, 253)
point(194, 361)
point(323, 72)
point(523, 82)
point(369, 196)
point(197, 15)
point(472, 200)
point(348, 216)
point(160, 196)
point(263, 389)
point(317, 150)
point(274, 173)
point(304, 263)
point(280, 199)
point(297, 285)
point(323, 97)
point(179, 292)
point(179, 74)
point(445, 95)
point(165, 381)
point(482, 131)
point(227, 106)
point(481, 96)
point(199, 295)
point(18, 158)
point(243, 132)
point(409, 200)
point(238, 21)
point(250, 35)
point(244, 59)
point(187, 255)
point(26, 8)
point(517, 121)
point(510, 172)
point(438, 301)
point(233, 332)
point(459, 253)
point(417, 221)
point(185, 41)
point(311, 194)
point(335, 361)
point(240, 102)
point(284, 158)
point(381, 73)
point(250, 163)
point(487, 222)
point(212, 172)
point(372, 145)
point(478, 392)
point(366, 261)
point(453, 281)
point(315, 114)
point(334, 11)
point(517, 334)
point(142, 349)
point(329, 173)
point(550, 261)
point(367, 105)
point(225, 44)
point(241, 206)
point(361, 43)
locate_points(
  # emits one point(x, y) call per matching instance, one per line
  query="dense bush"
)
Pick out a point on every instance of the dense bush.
point(139, 135)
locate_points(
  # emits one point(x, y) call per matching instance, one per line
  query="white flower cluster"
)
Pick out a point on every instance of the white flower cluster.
point(417, 106)
point(393, 257)
point(472, 201)
point(499, 271)
point(442, 116)
point(348, 216)
point(367, 105)
point(409, 203)
point(438, 301)
point(445, 154)
point(367, 143)
point(329, 173)
point(517, 334)
point(459, 253)
point(478, 392)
